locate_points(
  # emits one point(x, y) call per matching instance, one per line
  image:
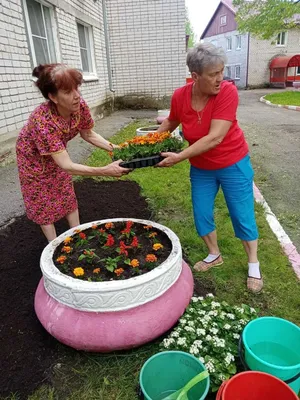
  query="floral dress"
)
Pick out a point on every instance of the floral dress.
point(47, 189)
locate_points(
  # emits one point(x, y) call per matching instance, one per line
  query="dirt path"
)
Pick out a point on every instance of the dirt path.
point(273, 135)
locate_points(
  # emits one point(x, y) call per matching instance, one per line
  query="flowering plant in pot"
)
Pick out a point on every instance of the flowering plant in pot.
point(144, 151)
point(112, 251)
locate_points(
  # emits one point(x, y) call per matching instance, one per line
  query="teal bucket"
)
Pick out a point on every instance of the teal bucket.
point(166, 372)
point(272, 345)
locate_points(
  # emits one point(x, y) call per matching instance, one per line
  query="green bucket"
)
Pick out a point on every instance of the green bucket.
point(272, 345)
point(166, 372)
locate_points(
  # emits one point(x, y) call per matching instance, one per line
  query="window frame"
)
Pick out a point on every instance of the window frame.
point(223, 16)
point(280, 36)
point(238, 39)
point(228, 68)
point(235, 75)
point(298, 70)
point(87, 75)
point(229, 38)
point(54, 29)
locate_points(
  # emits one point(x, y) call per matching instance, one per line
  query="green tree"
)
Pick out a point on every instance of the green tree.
point(189, 30)
point(264, 19)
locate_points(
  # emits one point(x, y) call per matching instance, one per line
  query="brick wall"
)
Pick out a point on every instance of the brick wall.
point(235, 56)
point(262, 51)
point(147, 46)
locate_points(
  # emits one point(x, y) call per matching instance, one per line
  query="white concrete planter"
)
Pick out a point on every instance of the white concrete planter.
point(111, 295)
point(146, 129)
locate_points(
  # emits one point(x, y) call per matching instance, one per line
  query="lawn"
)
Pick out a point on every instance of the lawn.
point(291, 98)
point(115, 376)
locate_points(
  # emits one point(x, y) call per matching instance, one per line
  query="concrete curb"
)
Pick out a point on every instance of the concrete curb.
point(285, 242)
point(293, 108)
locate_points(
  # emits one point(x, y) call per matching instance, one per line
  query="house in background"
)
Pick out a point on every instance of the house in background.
point(248, 58)
point(222, 32)
point(122, 47)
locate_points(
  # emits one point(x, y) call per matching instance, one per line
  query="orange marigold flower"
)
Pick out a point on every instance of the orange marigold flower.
point(109, 225)
point(77, 231)
point(119, 271)
point(61, 259)
point(152, 234)
point(68, 240)
point(82, 235)
point(147, 227)
point(96, 270)
point(78, 271)
point(134, 263)
point(157, 246)
point(67, 249)
point(151, 258)
point(94, 226)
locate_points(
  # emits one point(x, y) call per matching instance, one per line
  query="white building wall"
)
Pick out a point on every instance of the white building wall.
point(261, 52)
point(147, 46)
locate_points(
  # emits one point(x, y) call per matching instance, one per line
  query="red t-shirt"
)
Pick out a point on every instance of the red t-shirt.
point(222, 106)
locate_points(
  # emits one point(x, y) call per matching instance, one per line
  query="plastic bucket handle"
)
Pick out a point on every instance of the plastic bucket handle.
point(246, 366)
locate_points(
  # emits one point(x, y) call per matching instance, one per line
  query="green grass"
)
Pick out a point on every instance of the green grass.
point(84, 376)
point(291, 98)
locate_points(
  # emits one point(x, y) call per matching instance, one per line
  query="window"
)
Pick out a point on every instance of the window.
point(237, 72)
point(223, 19)
point(281, 39)
point(228, 72)
point(298, 71)
point(85, 45)
point(238, 42)
point(229, 44)
point(40, 22)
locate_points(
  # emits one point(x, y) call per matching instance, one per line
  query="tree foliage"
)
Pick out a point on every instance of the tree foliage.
point(189, 30)
point(264, 19)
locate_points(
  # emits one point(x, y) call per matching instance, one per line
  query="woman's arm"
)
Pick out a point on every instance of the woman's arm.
point(97, 140)
point(64, 161)
point(217, 132)
point(168, 126)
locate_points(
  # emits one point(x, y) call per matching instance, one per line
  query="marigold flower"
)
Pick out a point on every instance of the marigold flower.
point(77, 231)
point(96, 270)
point(134, 263)
point(94, 226)
point(78, 271)
point(152, 234)
point(109, 225)
point(135, 242)
point(157, 246)
point(61, 259)
point(119, 271)
point(147, 227)
point(68, 240)
point(67, 249)
point(82, 235)
point(110, 241)
point(151, 258)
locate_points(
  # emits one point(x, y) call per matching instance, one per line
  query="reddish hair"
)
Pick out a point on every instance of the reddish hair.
point(52, 77)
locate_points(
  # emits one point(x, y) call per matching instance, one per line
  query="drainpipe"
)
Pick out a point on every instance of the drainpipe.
point(248, 52)
point(105, 25)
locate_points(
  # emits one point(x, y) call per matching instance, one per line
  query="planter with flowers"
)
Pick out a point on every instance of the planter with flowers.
point(112, 284)
point(145, 151)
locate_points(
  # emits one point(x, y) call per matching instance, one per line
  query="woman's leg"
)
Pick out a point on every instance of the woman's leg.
point(73, 218)
point(211, 242)
point(49, 231)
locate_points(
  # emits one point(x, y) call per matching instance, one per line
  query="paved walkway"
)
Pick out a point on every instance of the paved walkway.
point(11, 202)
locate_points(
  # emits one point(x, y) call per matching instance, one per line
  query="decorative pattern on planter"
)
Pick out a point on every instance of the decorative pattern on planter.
point(111, 295)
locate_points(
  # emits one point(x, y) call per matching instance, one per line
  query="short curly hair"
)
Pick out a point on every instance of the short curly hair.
point(204, 55)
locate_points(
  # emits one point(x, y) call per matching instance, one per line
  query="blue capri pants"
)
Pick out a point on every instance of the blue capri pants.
point(236, 182)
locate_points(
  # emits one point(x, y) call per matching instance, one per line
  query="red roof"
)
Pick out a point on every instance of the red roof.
point(285, 61)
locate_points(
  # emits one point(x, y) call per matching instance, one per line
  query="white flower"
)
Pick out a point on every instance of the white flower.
point(191, 323)
point(214, 331)
point(168, 342)
point(252, 310)
point(230, 316)
point(182, 321)
point(194, 350)
point(218, 342)
point(181, 341)
point(198, 343)
point(229, 357)
point(200, 332)
point(195, 299)
point(202, 360)
point(213, 313)
point(236, 336)
point(227, 327)
point(215, 304)
point(208, 337)
point(174, 334)
point(222, 315)
point(210, 366)
point(210, 295)
point(189, 329)
point(242, 322)
point(206, 318)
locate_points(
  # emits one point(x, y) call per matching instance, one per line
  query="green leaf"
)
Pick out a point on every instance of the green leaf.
point(81, 257)
point(110, 268)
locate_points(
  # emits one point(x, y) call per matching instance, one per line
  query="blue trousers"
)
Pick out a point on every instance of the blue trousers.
point(236, 182)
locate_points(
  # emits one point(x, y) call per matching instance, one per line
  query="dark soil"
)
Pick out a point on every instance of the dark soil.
point(27, 352)
point(98, 251)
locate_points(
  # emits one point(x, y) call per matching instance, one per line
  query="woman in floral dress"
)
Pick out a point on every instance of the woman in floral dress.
point(45, 168)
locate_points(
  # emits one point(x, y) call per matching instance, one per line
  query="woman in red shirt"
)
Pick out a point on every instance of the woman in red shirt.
point(218, 153)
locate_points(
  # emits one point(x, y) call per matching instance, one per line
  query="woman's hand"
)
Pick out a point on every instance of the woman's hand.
point(115, 170)
point(169, 160)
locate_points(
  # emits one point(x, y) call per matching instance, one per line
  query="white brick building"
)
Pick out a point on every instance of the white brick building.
point(146, 54)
